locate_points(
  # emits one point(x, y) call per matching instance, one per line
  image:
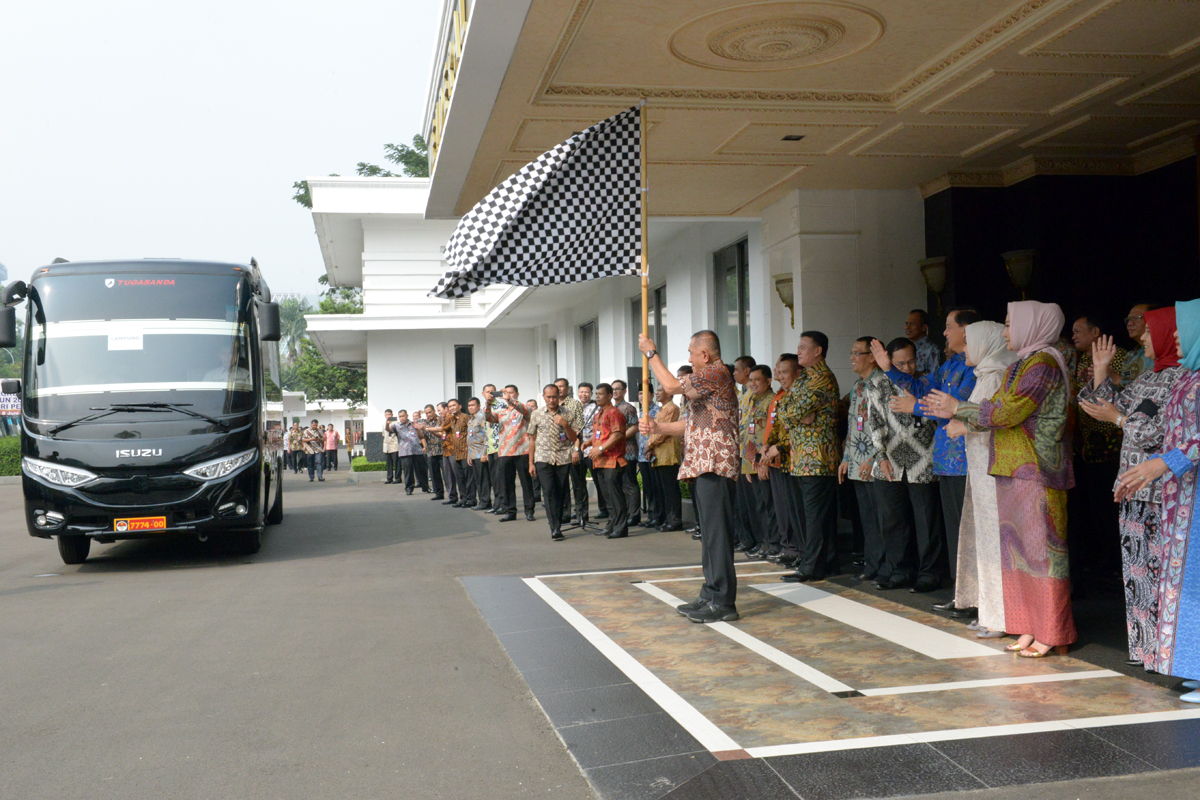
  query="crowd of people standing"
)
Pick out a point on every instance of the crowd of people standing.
point(314, 448)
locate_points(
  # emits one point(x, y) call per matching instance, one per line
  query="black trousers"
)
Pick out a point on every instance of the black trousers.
point(714, 503)
point(672, 500)
point(435, 473)
point(874, 562)
point(762, 511)
point(483, 482)
point(512, 468)
point(953, 491)
point(297, 460)
point(466, 483)
point(788, 518)
point(555, 497)
point(331, 459)
point(747, 532)
point(608, 482)
point(414, 472)
point(579, 491)
point(651, 492)
point(633, 494)
point(601, 501)
point(816, 496)
point(393, 467)
point(911, 514)
point(494, 473)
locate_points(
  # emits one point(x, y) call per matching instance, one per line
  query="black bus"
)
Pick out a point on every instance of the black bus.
point(145, 402)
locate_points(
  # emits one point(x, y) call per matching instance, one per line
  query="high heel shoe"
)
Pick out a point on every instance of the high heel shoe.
point(1014, 648)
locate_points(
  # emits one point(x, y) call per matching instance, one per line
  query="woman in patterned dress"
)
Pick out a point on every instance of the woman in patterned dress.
point(1178, 650)
point(979, 582)
point(1136, 410)
point(1031, 461)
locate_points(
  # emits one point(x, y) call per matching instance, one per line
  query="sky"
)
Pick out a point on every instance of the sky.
point(167, 129)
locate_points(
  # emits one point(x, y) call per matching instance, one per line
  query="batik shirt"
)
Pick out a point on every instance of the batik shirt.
point(631, 421)
point(605, 423)
point(644, 454)
point(780, 441)
point(293, 439)
point(477, 436)
point(711, 434)
point(860, 447)
point(1136, 365)
point(752, 427)
point(433, 439)
point(1029, 416)
point(455, 443)
point(815, 449)
point(956, 379)
point(904, 440)
point(589, 413)
point(493, 428)
point(929, 357)
point(408, 439)
point(514, 434)
point(552, 446)
point(1141, 402)
point(1096, 442)
point(313, 443)
point(666, 448)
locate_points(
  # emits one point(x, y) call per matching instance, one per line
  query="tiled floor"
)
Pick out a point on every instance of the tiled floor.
point(819, 691)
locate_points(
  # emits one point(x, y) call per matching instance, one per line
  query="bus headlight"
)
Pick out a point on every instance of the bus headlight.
point(57, 474)
point(211, 470)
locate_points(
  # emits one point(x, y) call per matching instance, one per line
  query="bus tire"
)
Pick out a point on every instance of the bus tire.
point(74, 549)
point(275, 515)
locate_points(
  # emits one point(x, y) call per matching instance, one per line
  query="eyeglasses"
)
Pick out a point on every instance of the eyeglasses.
point(1132, 318)
point(853, 353)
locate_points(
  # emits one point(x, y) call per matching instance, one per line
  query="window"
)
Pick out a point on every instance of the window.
point(731, 275)
point(589, 353)
point(464, 372)
point(554, 358)
point(658, 323)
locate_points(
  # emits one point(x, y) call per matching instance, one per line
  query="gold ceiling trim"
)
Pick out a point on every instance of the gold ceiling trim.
point(1114, 79)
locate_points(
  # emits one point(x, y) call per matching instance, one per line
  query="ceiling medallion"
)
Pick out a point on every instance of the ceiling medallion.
point(775, 39)
point(775, 35)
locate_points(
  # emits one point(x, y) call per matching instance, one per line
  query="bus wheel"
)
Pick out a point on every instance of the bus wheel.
point(275, 515)
point(74, 549)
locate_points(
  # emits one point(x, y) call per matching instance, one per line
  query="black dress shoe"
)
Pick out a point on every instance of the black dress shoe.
point(697, 536)
point(688, 608)
point(670, 527)
point(756, 553)
point(947, 606)
point(438, 497)
point(798, 577)
point(602, 515)
point(891, 583)
point(922, 587)
point(963, 613)
point(601, 532)
point(714, 613)
point(788, 562)
point(389, 481)
point(482, 508)
point(864, 576)
point(508, 518)
point(408, 491)
point(1133, 662)
point(737, 548)
point(636, 522)
point(693, 529)
point(615, 535)
point(529, 516)
point(557, 536)
point(449, 502)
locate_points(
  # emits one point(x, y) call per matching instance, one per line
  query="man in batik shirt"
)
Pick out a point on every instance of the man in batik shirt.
point(576, 472)
point(497, 405)
point(629, 473)
point(753, 500)
point(514, 453)
point(433, 450)
point(477, 456)
point(553, 432)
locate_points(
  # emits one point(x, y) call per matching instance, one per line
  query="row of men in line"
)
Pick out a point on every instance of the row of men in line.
point(315, 447)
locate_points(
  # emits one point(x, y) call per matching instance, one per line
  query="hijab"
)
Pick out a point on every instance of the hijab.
point(1034, 327)
point(987, 349)
point(1161, 322)
point(1187, 317)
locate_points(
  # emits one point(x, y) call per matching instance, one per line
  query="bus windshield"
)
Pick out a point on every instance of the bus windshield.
point(96, 340)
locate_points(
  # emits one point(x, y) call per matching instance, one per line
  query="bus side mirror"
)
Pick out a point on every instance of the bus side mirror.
point(268, 322)
point(10, 386)
point(8, 326)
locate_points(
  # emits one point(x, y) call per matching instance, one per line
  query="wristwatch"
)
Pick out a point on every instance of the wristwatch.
point(651, 354)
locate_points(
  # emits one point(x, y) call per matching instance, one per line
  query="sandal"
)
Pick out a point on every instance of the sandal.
point(1029, 652)
point(1013, 648)
point(984, 633)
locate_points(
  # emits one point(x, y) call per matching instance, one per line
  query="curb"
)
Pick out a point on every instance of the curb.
point(10, 480)
point(366, 477)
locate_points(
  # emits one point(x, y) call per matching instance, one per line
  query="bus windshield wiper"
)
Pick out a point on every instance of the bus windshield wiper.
point(182, 408)
point(157, 408)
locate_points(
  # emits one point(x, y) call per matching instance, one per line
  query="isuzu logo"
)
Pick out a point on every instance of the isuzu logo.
point(108, 282)
point(138, 453)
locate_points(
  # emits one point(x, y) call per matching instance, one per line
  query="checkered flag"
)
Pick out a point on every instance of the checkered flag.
point(573, 214)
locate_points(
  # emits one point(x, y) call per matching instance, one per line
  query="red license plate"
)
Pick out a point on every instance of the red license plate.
point(140, 524)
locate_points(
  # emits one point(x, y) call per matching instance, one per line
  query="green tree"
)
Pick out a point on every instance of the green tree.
point(339, 299)
point(293, 325)
point(413, 162)
point(323, 382)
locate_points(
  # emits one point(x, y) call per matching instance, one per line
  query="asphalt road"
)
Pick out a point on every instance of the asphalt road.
point(344, 660)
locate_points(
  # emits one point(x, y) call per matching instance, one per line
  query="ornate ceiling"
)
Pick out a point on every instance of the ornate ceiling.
point(883, 93)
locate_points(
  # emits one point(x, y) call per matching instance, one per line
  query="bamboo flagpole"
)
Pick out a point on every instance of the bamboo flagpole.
point(648, 400)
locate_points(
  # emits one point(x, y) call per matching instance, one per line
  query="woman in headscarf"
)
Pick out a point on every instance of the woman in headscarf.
point(1136, 410)
point(1179, 579)
point(1031, 462)
point(979, 582)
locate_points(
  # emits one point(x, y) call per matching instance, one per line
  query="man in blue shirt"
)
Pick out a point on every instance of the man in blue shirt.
point(955, 378)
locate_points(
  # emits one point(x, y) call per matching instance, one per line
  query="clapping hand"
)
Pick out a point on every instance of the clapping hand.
point(956, 428)
point(1103, 352)
point(903, 404)
point(1101, 410)
point(939, 404)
